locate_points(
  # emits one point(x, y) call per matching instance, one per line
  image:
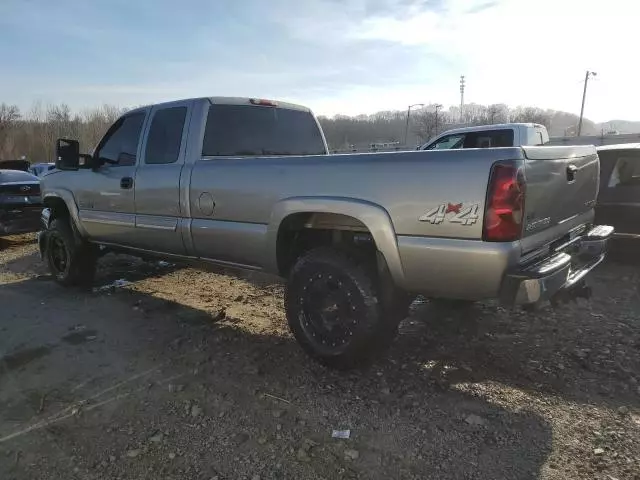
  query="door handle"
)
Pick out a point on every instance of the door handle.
point(126, 183)
point(571, 173)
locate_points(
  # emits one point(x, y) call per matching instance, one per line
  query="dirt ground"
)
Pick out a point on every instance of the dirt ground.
point(183, 374)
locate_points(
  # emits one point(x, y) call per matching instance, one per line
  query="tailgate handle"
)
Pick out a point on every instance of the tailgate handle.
point(571, 173)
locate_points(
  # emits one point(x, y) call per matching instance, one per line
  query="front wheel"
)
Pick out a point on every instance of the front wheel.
point(72, 262)
point(335, 311)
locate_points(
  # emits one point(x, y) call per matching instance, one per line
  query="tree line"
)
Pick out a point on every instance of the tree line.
point(32, 134)
point(344, 132)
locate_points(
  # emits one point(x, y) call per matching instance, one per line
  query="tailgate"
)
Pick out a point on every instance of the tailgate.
point(561, 189)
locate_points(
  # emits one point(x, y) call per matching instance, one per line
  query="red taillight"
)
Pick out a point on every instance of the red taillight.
point(262, 102)
point(505, 204)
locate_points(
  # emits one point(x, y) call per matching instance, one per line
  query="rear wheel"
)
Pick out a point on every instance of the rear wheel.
point(72, 262)
point(335, 309)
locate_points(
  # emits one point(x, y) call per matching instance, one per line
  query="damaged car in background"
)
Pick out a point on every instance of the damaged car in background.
point(20, 202)
point(619, 197)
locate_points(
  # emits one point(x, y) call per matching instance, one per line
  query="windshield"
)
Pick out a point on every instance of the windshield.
point(447, 143)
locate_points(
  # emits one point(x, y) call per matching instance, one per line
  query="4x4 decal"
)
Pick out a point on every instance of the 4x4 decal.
point(452, 212)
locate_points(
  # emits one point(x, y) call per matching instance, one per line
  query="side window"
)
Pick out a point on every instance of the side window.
point(489, 139)
point(449, 142)
point(626, 172)
point(484, 142)
point(120, 144)
point(535, 137)
point(245, 131)
point(165, 136)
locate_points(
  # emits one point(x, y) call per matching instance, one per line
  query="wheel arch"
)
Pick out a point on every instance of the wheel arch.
point(62, 203)
point(351, 212)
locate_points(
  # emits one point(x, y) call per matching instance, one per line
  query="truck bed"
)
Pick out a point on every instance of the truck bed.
point(407, 184)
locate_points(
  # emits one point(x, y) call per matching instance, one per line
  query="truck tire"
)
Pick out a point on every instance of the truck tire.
point(72, 262)
point(335, 311)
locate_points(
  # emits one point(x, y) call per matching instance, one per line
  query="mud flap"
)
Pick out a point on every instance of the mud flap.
point(42, 243)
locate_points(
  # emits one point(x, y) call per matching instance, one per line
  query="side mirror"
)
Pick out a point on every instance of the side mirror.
point(86, 161)
point(67, 154)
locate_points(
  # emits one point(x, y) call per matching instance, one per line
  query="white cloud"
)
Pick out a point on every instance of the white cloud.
point(361, 56)
point(521, 52)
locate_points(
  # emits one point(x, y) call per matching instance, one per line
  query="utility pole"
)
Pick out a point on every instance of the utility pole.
point(437, 106)
point(584, 95)
point(461, 98)
point(406, 127)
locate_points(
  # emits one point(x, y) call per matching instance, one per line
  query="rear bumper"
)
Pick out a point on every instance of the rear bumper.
point(17, 220)
point(559, 274)
point(475, 270)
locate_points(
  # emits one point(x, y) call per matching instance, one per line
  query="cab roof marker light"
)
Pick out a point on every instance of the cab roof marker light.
point(263, 102)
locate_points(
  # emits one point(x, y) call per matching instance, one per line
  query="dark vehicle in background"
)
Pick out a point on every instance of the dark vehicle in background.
point(20, 202)
point(619, 197)
point(39, 169)
point(22, 165)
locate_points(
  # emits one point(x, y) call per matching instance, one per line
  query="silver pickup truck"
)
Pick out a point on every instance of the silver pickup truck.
point(248, 183)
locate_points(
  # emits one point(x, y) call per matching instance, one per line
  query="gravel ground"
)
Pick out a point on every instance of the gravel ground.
point(184, 374)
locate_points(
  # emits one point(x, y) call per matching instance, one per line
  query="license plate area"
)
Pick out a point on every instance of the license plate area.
point(17, 213)
point(20, 199)
point(568, 242)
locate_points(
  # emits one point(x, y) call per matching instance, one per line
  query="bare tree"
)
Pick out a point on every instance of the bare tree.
point(428, 122)
point(497, 113)
point(9, 116)
point(33, 135)
point(532, 115)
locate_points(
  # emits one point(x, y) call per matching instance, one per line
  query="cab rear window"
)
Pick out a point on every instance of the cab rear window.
point(246, 130)
point(489, 139)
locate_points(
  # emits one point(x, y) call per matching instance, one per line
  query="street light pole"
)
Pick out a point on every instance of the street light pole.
point(461, 98)
point(584, 95)
point(437, 106)
point(406, 127)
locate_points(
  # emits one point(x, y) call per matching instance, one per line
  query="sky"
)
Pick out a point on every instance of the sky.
point(335, 56)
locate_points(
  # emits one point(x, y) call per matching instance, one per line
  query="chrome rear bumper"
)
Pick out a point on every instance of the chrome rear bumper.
point(560, 275)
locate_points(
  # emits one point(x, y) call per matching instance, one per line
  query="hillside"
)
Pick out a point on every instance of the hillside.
point(622, 126)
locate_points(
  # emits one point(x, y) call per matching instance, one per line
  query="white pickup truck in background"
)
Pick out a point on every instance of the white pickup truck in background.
point(490, 136)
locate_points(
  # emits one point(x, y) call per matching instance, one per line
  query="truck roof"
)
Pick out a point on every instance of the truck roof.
point(497, 126)
point(230, 101)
